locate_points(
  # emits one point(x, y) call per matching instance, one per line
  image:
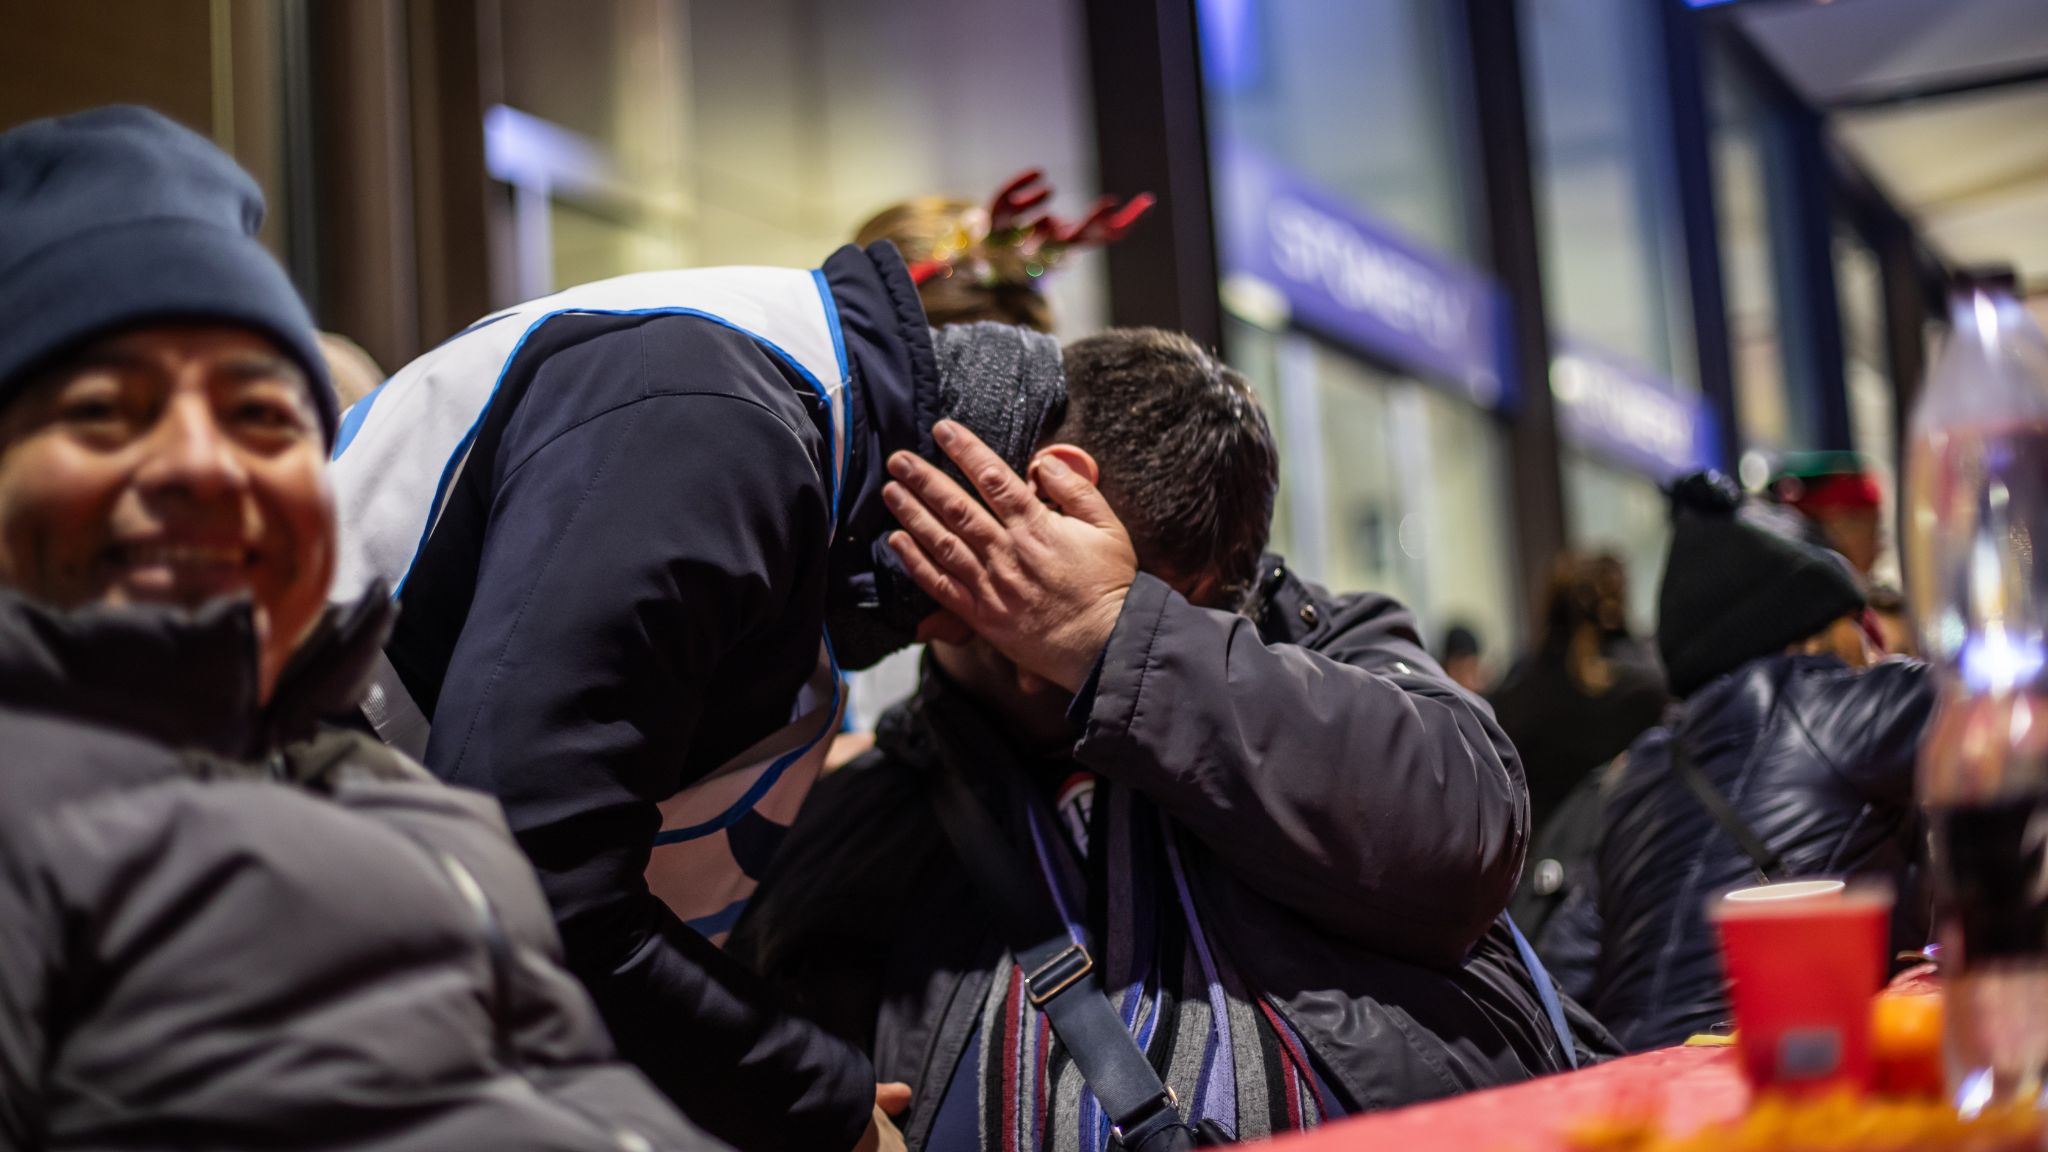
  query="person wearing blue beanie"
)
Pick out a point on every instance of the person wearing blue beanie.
point(166, 408)
point(228, 923)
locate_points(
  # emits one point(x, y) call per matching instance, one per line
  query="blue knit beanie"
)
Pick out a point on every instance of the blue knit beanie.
point(116, 218)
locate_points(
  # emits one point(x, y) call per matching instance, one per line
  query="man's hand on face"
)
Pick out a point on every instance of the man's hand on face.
point(1044, 585)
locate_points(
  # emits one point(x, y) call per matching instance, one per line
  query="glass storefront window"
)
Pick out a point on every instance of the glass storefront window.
point(1608, 213)
point(1386, 483)
point(1412, 499)
point(1255, 351)
point(1455, 527)
point(1364, 510)
point(1357, 98)
point(1773, 415)
point(712, 133)
point(1624, 514)
point(1873, 396)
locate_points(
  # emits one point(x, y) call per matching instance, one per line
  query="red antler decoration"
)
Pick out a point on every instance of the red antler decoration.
point(1022, 240)
point(1105, 222)
point(1014, 199)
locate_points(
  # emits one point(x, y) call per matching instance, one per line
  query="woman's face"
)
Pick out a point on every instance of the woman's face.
point(171, 465)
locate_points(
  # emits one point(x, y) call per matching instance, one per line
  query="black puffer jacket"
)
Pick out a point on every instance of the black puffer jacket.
point(216, 935)
point(1818, 761)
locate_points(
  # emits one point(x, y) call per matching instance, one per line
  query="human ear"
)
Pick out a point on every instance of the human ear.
point(1073, 457)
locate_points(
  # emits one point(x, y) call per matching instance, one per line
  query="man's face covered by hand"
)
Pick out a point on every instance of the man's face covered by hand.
point(1034, 709)
point(1094, 553)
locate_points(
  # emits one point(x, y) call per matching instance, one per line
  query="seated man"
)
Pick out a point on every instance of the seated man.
point(218, 928)
point(1283, 836)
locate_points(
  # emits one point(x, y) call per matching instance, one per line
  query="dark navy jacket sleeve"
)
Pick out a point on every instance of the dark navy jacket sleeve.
point(645, 567)
point(1348, 779)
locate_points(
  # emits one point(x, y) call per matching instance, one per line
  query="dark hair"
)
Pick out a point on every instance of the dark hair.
point(1585, 606)
point(1585, 592)
point(1186, 457)
point(1459, 640)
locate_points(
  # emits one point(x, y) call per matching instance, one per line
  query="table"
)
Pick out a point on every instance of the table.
point(1688, 1087)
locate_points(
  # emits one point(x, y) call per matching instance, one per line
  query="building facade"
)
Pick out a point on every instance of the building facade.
point(1497, 267)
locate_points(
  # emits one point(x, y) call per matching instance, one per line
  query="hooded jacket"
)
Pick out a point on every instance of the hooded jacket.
point(221, 934)
point(619, 521)
point(1353, 825)
point(1817, 759)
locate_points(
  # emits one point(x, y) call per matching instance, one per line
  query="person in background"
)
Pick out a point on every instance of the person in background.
point(1588, 689)
point(223, 926)
point(1789, 755)
point(1837, 496)
point(1460, 657)
point(354, 373)
point(1285, 835)
point(974, 263)
point(1894, 629)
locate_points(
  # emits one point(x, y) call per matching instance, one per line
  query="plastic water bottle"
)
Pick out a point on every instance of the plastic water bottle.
point(1977, 566)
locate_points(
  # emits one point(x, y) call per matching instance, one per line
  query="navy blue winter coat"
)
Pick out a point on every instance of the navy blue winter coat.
point(1817, 759)
point(622, 585)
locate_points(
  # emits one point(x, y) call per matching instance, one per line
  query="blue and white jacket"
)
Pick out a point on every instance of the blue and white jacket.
point(614, 518)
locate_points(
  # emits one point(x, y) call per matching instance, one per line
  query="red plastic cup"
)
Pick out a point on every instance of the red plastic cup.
point(1803, 960)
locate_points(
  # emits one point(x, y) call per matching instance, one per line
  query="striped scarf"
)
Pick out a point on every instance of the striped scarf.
point(1223, 1050)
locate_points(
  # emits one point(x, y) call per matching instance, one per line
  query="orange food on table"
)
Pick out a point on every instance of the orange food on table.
point(1905, 1043)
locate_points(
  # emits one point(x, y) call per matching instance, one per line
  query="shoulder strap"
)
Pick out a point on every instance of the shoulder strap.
point(1768, 863)
point(1059, 974)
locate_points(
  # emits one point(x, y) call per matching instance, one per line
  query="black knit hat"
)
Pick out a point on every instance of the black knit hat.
point(117, 217)
point(1739, 584)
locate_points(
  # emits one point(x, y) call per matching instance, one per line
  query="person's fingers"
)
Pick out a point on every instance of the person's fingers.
point(1074, 495)
point(946, 500)
point(1006, 493)
point(892, 1097)
point(933, 538)
point(951, 594)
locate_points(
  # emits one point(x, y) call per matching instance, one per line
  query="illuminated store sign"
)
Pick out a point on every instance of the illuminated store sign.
point(1352, 279)
point(1628, 415)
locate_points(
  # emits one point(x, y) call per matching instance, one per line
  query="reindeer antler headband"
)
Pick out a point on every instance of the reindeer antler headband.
point(1011, 240)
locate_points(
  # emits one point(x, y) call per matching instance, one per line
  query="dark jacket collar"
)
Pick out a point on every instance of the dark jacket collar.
point(185, 679)
point(872, 604)
point(895, 373)
point(945, 727)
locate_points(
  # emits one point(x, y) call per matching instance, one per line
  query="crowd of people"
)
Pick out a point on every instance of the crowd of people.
point(451, 770)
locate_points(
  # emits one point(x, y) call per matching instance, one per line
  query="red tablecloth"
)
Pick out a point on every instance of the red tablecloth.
point(1688, 1088)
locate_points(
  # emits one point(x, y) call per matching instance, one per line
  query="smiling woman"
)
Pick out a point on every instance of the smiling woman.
point(171, 465)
